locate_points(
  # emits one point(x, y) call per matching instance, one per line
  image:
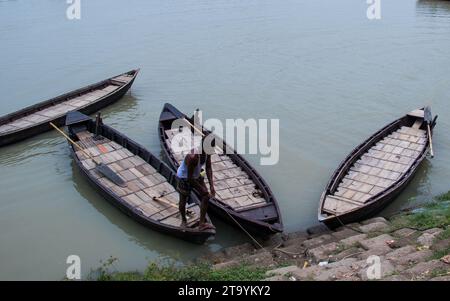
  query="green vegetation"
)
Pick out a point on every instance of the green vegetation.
point(438, 272)
point(342, 247)
point(445, 234)
point(339, 248)
point(441, 253)
point(433, 215)
point(171, 271)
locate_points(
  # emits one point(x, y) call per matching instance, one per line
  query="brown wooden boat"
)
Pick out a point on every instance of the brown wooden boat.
point(35, 119)
point(149, 196)
point(376, 171)
point(242, 195)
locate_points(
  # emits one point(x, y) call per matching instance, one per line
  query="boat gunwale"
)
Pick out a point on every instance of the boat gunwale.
point(355, 154)
point(29, 110)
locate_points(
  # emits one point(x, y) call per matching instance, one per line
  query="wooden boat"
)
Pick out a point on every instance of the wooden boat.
point(376, 171)
point(242, 195)
point(35, 119)
point(146, 178)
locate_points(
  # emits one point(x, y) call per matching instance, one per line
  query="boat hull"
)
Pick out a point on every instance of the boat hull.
point(385, 197)
point(17, 136)
point(260, 228)
point(190, 234)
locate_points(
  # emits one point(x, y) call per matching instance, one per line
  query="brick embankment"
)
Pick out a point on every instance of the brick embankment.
point(373, 249)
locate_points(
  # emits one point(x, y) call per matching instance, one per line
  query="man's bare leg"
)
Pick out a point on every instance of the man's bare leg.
point(203, 225)
point(203, 210)
point(182, 208)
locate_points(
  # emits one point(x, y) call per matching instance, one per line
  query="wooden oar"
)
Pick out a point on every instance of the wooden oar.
point(195, 128)
point(428, 119)
point(160, 199)
point(200, 132)
point(99, 166)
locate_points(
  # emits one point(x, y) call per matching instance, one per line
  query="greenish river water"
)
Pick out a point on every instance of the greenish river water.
point(331, 76)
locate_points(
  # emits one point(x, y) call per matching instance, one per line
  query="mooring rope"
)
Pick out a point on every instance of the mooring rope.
point(258, 244)
point(246, 232)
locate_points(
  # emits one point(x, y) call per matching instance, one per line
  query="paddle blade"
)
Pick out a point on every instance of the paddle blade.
point(110, 174)
point(427, 115)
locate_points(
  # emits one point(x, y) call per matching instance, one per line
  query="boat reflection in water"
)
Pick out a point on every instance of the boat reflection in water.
point(434, 8)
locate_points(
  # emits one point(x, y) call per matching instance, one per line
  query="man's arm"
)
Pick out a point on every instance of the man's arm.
point(209, 175)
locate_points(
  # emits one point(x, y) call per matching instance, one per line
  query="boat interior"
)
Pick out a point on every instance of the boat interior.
point(146, 190)
point(55, 108)
point(376, 166)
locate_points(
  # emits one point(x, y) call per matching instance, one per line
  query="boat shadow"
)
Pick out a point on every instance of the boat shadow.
point(122, 111)
point(24, 151)
point(433, 8)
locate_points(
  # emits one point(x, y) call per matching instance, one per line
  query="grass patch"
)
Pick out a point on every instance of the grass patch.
point(444, 234)
point(342, 247)
point(439, 272)
point(440, 254)
point(339, 248)
point(375, 234)
point(172, 271)
point(433, 215)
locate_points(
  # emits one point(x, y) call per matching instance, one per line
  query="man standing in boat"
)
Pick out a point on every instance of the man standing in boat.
point(191, 176)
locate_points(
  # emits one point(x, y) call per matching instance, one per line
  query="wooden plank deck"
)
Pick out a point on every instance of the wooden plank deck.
point(377, 169)
point(143, 182)
point(60, 109)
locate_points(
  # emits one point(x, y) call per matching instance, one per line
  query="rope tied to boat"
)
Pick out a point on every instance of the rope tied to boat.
point(347, 226)
point(342, 224)
point(245, 231)
point(277, 248)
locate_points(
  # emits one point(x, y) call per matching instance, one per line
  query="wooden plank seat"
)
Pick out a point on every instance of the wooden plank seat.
point(110, 88)
point(337, 205)
point(123, 78)
point(143, 182)
point(417, 113)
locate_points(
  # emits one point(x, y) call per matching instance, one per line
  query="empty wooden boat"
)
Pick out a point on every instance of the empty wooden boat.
point(242, 195)
point(35, 119)
point(149, 195)
point(376, 171)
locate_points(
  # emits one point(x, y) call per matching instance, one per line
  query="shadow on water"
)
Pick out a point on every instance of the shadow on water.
point(24, 151)
point(433, 8)
point(123, 111)
point(165, 245)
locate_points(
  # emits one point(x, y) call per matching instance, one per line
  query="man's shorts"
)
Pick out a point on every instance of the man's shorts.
point(184, 187)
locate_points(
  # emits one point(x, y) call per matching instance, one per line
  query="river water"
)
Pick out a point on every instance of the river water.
point(328, 73)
